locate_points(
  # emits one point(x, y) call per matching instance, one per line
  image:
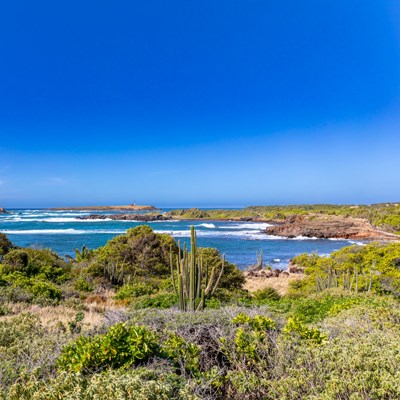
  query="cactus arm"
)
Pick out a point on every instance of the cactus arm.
point(171, 263)
point(219, 276)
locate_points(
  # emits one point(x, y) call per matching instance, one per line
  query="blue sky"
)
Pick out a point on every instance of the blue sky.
point(207, 103)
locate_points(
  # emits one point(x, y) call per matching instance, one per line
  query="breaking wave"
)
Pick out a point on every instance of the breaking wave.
point(71, 231)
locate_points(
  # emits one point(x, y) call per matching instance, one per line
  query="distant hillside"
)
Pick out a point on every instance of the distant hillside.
point(385, 216)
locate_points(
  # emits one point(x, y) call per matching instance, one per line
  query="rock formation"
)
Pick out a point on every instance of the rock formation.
point(3, 211)
point(129, 217)
point(328, 226)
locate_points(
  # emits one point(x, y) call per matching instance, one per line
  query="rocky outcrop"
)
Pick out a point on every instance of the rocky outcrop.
point(263, 273)
point(327, 226)
point(3, 211)
point(129, 217)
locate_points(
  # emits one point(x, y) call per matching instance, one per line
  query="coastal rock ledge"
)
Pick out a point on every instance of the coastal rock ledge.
point(328, 227)
point(129, 217)
point(3, 211)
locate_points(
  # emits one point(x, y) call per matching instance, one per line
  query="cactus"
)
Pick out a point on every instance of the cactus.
point(330, 282)
point(195, 284)
point(259, 259)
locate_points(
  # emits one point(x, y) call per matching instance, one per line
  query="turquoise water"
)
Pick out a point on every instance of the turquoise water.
point(62, 231)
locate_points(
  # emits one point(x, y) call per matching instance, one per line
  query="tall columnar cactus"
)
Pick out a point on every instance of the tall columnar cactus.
point(259, 259)
point(195, 284)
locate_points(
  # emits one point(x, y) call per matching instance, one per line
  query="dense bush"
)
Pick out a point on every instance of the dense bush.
point(33, 262)
point(141, 384)
point(26, 347)
point(121, 346)
point(158, 300)
point(5, 245)
point(140, 252)
point(268, 293)
point(357, 268)
point(134, 290)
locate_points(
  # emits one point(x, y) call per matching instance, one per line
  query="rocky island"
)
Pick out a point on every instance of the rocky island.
point(129, 217)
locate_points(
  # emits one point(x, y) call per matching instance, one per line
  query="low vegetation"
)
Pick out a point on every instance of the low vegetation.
point(110, 324)
point(385, 216)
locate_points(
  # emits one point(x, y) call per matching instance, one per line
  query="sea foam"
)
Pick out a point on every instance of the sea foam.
point(61, 231)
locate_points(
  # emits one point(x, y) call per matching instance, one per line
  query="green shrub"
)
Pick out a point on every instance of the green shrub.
point(32, 262)
point(373, 267)
point(138, 384)
point(122, 346)
point(5, 245)
point(158, 300)
point(185, 356)
point(259, 323)
point(251, 339)
point(27, 347)
point(46, 290)
point(15, 260)
point(140, 252)
point(134, 290)
point(312, 335)
point(268, 293)
point(82, 284)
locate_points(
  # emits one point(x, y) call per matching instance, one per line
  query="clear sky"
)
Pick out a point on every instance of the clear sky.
point(207, 103)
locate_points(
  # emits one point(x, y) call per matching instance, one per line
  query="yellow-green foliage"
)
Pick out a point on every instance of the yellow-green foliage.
point(134, 290)
point(122, 346)
point(37, 272)
point(294, 325)
point(142, 384)
point(358, 268)
point(250, 341)
point(184, 355)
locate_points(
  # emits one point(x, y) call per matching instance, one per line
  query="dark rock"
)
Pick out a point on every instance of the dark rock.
point(295, 269)
point(129, 217)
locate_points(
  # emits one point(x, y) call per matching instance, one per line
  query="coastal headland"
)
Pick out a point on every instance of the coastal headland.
point(324, 221)
point(329, 227)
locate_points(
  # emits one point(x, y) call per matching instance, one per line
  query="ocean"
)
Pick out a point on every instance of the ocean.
point(62, 232)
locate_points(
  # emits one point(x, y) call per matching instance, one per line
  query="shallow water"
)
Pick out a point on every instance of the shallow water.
point(62, 232)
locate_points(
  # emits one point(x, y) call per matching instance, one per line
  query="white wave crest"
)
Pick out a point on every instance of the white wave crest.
point(61, 231)
point(357, 243)
point(210, 226)
point(252, 225)
point(56, 220)
point(247, 235)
